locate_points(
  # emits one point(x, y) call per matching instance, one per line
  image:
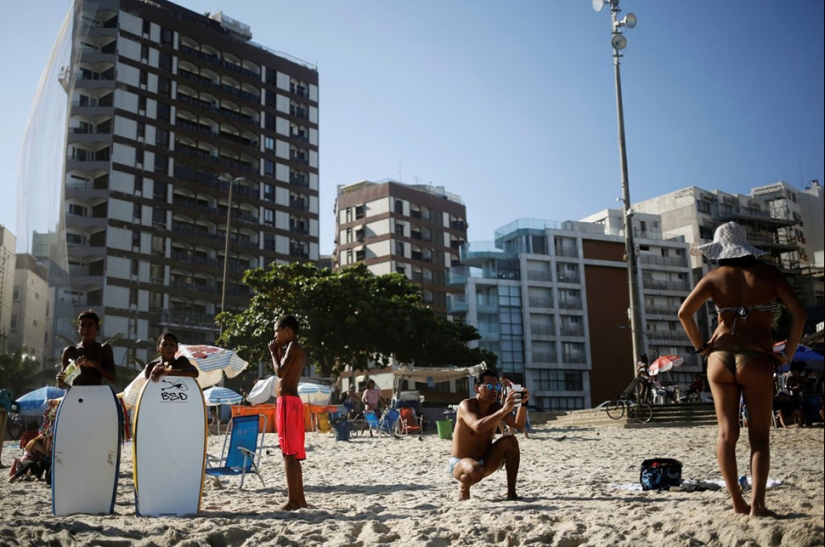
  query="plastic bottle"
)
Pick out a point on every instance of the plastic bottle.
point(743, 483)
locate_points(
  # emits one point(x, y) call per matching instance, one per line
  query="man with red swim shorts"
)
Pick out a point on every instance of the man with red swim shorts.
point(288, 359)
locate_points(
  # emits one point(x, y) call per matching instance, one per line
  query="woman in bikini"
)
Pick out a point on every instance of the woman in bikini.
point(740, 353)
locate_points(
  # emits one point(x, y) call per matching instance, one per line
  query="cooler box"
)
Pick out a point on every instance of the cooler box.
point(342, 430)
point(445, 429)
point(262, 410)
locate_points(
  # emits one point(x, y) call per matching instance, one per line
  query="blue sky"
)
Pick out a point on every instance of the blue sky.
point(512, 104)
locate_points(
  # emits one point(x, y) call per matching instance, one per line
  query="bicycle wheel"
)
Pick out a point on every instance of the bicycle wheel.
point(642, 412)
point(615, 409)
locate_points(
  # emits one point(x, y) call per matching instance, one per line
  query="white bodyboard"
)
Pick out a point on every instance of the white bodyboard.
point(169, 447)
point(86, 451)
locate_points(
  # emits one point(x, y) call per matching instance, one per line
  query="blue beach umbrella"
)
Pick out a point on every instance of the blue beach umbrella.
point(218, 395)
point(33, 403)
point(316, 394)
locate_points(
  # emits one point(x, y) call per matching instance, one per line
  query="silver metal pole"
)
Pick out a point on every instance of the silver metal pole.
point(630, 249)
point(226, 248)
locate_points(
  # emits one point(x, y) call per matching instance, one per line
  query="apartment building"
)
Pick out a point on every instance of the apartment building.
point(551, 300)
point(192, 155)
point(31, 324)
point(7, 262)
point(412, 229)
point(774, 223)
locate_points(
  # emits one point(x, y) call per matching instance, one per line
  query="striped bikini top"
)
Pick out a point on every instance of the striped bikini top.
point(742, 311)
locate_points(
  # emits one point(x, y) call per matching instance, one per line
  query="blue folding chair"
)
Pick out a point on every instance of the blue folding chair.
point(244, 451)
point(389, 422)
point(373, 424)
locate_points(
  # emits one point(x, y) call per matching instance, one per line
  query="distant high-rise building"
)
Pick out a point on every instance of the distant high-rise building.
point(551, 300)
point(181, 129)
point(7, 262)
point(32, 311)
point(412, 229)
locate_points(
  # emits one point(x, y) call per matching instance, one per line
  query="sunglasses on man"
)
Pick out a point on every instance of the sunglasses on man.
point(491, 387)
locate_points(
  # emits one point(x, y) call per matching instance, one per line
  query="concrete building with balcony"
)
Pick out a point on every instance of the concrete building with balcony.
point(772, 225)
point(7, 263)
point(184, 138)
point(412, 229)
point(32, 318)
point(551, 300)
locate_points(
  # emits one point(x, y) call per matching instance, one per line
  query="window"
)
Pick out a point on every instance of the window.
point(165, 61)
point(138, 183)
point(159, 190)
point(161, 163)
point(135, 238)
point(163, 111)
point(141, 129)
point(166, 36)
point(144, 77)
point(147, 26)
point(269, 144)
point(133, 297)
point(137, 211)
point(144, 51)
point(159, 217)
point(161, 137)
point(139, 156)
point(558, 380)
point(142, 103)
point(16, 293)
point(269, 168)
point(164, 86)
point(135, 265)
point(269, 217)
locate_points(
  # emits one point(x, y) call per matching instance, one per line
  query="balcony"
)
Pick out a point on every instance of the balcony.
point(536, 302)
point(572, 331)
point(654, 284)
point(537, 275)
point(299, 252)
point(542, 330)
point(299, 180)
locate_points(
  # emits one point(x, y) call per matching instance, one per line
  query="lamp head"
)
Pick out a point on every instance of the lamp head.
point(629, 20)
point(618, 42)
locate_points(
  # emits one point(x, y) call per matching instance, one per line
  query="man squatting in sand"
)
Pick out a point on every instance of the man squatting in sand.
point(474, 454)
point(288, 359)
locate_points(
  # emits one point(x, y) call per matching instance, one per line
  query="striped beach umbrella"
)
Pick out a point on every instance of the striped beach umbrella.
point(218, 395)
point(211, 358)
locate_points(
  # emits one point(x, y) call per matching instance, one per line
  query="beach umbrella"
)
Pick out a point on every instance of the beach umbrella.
point(34, 402)
point(664, 364)
point(212, 362)
point(218, 395)
point(314, 394)
point(263, 390)
point(804, 354)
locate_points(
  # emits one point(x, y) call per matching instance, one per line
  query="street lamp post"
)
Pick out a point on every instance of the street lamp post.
point(619, 42)
point(226, 240)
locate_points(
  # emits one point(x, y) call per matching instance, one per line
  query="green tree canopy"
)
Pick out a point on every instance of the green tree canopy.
point(348, 317)
point(18, 372)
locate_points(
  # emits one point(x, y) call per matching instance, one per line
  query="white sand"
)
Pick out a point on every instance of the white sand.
point(373, 491)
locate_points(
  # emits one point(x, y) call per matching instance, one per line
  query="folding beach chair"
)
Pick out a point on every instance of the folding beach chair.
point(244, 452)
point(408, 421)
point(372, 422)
point(389, 422)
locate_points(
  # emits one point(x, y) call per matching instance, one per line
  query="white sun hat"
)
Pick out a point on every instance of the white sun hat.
point(729, 241)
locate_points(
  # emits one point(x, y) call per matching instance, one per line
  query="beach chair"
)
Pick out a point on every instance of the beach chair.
point(373, 424)
point(408, 421)
point(389, 422)
point(244, 452)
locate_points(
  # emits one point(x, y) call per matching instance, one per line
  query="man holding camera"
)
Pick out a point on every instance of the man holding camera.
point(474, 454)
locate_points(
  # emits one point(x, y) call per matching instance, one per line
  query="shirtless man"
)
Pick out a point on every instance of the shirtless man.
point(288, 359)
point(95, 360)
point(474, 454)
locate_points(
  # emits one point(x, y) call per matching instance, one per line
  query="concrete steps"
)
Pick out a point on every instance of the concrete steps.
point(670, 415)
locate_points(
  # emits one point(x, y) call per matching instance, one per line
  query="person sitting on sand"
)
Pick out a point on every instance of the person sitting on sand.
point(288, 359)
point(474, 454)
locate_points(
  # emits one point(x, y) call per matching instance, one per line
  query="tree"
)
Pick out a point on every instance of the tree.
point(348, 318)
point(18, 372)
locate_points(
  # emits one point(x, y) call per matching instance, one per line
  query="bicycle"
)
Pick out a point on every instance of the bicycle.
point(641, 412)
point(627, 403)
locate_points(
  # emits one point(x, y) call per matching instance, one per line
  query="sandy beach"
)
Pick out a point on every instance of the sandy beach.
point(575, 483)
